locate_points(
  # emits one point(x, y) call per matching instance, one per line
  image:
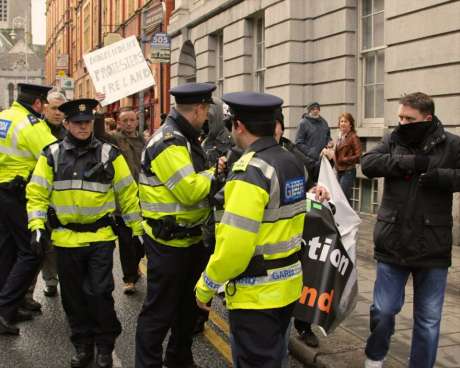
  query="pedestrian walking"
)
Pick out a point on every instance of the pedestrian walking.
point(420, 163)
point(313, 135)
point(81, 178)
point(23, 134)
point(258, 236)
point(131, 144)
point(174, 186)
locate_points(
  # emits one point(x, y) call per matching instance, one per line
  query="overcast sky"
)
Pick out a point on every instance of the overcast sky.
point(38, 22)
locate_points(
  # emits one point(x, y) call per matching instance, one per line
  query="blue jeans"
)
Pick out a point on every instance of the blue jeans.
point(429, 287)
point(346, 180)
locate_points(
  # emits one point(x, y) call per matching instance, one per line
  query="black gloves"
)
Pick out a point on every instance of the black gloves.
point(421, 163)
point(429, 179)
point(39, 242)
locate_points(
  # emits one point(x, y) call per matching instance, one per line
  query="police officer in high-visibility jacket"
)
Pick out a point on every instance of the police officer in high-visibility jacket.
point(258, 236)
point(82, 179)
point(174, 185)
point(23, 134)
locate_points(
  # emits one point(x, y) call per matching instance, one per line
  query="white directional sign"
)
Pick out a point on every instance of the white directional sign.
point(119, 70)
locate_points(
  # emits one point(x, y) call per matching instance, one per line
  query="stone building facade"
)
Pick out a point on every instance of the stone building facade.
point(358, 56)
point(20, 60)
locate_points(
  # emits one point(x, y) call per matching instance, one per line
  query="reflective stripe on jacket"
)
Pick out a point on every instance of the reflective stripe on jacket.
point(82, 184)
point(22, 137)
point(174, 180)
point(263, 214)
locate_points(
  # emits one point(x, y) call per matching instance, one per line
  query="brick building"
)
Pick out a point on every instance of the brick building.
point(77, 27)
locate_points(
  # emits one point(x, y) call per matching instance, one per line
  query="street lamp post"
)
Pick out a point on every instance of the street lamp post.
point(24, 21)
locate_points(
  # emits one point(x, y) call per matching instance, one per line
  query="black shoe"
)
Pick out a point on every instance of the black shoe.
point(173, 364)
point(31, 305)
point(50, 291)
point(104, 360)
point(310, 338)
point(7, 329)
point(83, 356)
point(199, 325)
point(23, 315)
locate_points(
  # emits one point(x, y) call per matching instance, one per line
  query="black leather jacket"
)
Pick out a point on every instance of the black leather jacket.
point(414, 223)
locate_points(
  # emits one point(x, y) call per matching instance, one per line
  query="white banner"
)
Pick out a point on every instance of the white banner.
point(119, 70)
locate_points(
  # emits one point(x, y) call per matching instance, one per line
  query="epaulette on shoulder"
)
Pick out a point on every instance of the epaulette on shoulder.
point(243, 162)
point(33, 119)
point(168, 134)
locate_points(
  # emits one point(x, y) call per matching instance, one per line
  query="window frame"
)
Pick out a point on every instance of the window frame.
point(358, 189)
point(259, 62)
point(362, 54)
point(219, 36)
point(87, 39)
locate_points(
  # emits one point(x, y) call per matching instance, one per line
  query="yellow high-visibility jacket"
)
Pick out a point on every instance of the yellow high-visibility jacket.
point(22, 137)
point(82, 184)
point(263, 217)
point(174, 179)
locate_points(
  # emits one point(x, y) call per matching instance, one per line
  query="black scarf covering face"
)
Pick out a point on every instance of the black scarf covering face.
point(413, 134)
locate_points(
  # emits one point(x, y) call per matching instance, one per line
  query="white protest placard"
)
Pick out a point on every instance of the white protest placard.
point(119, 70)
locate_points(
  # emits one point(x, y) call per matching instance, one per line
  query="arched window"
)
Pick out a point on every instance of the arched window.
point(10, 93)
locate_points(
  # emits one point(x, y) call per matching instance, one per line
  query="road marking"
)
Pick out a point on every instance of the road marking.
point(219, 322)
point(213, 337)
point(116, 360)
point(219, 343)
point(143, 266)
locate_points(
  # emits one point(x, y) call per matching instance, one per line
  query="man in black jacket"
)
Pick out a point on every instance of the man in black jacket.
point(420, 162)
point(313, 136)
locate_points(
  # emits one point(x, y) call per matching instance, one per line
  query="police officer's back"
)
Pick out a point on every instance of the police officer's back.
point(174, 186)
point(258, 236)
point(23, 134)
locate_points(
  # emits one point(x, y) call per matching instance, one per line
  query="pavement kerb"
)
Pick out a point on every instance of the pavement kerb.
point(305, 354)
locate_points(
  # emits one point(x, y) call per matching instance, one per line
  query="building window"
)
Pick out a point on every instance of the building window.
point(117, 6)
point(220, 64)
point(10, 93)
point(372, 58)
point(259, 75)
point(3, 10)
point(86, 28)
point(95, 41)
point(365, 196)
point(131, 7)
point(88, 88)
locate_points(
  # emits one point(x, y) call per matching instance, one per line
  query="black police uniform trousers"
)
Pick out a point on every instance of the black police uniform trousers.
point(170, 304)
point(258, 336)
point(87, 284)
point(18, 264)
point(131, 252)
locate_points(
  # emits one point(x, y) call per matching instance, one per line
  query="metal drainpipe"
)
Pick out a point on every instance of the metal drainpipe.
point(141, 93)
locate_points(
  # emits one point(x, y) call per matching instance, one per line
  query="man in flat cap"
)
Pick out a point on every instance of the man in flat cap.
point(258, 237)
point(83, 179)
point(174, 186)
point(23, 134)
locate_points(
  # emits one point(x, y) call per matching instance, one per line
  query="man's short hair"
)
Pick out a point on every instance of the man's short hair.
point(56, 95)
point(125, 109)
point(186, 107)
point(419, 101)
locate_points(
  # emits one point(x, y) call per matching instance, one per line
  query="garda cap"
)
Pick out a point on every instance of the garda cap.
point(79, 110)
point(192, 93)
point(253, 107)
point(33, 90)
